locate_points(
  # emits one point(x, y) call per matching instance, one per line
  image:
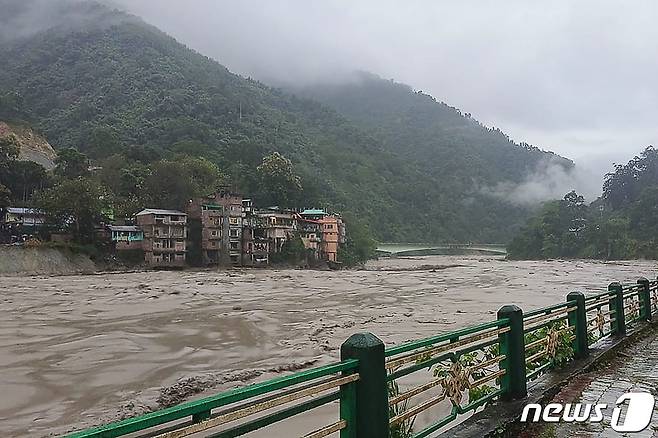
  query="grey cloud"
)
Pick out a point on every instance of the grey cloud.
point(549, 181)
point(577, 78)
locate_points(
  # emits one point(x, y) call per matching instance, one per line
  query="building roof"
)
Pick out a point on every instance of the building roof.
point(158, 211)
point(130, 228)
point(23, 210)
point(313, 211)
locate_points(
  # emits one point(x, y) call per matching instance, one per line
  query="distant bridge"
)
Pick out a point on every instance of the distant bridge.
point(410, 249)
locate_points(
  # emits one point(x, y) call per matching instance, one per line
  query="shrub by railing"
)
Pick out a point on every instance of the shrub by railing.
point(470, 368)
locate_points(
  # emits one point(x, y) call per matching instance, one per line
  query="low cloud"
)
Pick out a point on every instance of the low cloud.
point(548, 182)
point(20, 19)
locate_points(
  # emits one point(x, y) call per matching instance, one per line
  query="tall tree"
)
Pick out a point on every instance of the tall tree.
point(70, 163)
point(172, 183)
point(75, 205)
point(280, 184)
point(23, 178)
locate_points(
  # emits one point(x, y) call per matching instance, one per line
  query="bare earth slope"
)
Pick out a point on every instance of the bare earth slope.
point(33, 147)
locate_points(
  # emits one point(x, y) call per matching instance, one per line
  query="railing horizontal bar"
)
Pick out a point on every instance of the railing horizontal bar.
point(534, 357)
point(428, 363)
point(486, 379)
point(413, 357)
point(487, 363)
point(594, 322)
point(259, 407)
point(599, 295)
point(157, 418)
point(532, 328)
point(404, 348)
point(538, 370)
point(417, 409)
point(541, 317)
point(536, 343)
point(597, 305)
point(273, 395)
point(275, 417)
point(414, 391)
point(479, 402)
point(327, 430)
point(548, 309)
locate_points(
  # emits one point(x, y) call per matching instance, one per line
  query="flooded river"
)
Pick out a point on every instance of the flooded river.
point(76, 351)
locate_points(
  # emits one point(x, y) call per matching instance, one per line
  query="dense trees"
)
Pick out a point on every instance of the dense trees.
point(75, 205)
point(278, 181)
point(118, 87)
point(359, 247)
point(71, 163)
point(19, 179)
point(622, 224)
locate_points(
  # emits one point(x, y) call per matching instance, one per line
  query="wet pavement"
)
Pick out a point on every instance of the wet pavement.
point(635, 369)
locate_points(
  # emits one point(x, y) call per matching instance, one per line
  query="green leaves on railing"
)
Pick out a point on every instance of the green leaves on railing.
point(551, 344)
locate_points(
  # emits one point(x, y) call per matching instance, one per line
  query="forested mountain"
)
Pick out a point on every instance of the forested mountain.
point(622, 224)
point(126, 94)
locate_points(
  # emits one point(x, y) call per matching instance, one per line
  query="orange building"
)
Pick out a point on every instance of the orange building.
point(330, 239)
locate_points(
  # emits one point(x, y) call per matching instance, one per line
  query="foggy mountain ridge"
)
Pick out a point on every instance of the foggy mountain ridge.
point(410, 151)
point(26, 18)
point(550, 178)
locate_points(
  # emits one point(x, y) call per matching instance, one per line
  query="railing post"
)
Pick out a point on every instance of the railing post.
point(645, 299)
point(617, 305)
point(371, 417)
point(512, 345)
point(578, 320)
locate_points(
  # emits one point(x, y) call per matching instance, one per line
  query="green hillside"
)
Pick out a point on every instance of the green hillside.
point(621, 224)
point(110, 85)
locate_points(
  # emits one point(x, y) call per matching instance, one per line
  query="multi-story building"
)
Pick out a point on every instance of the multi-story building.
point(165, 233)
point(232, 232)
point(332, 231)
point(330, 237)
point(255, 244)
point(278, 227)
point(216, 223)
point(205, 231)
point(310, 232)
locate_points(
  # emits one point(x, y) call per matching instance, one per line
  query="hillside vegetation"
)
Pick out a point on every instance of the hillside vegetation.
point(130, 97)
point(622, 224)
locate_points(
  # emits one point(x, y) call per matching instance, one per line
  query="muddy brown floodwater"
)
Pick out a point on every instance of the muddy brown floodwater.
point(77, 351)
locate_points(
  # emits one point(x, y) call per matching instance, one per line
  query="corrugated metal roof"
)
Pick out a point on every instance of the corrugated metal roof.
point(313, 211)
point(23, 210)
point(130, 228)
point(158, 211)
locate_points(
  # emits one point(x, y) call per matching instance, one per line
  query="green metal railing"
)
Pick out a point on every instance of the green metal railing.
point(375, 387)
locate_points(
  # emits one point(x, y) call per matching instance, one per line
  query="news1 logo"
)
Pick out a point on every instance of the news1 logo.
point(638, 412)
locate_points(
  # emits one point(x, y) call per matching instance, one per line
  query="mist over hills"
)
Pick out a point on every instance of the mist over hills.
point(411, 168)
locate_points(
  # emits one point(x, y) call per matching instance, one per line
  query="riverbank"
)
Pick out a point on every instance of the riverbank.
point(82, 350)
point(20, 261)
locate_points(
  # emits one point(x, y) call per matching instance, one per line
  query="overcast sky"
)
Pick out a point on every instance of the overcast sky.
point(579, 78)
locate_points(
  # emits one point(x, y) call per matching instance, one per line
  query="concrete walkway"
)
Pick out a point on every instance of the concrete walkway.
point(635, 369)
